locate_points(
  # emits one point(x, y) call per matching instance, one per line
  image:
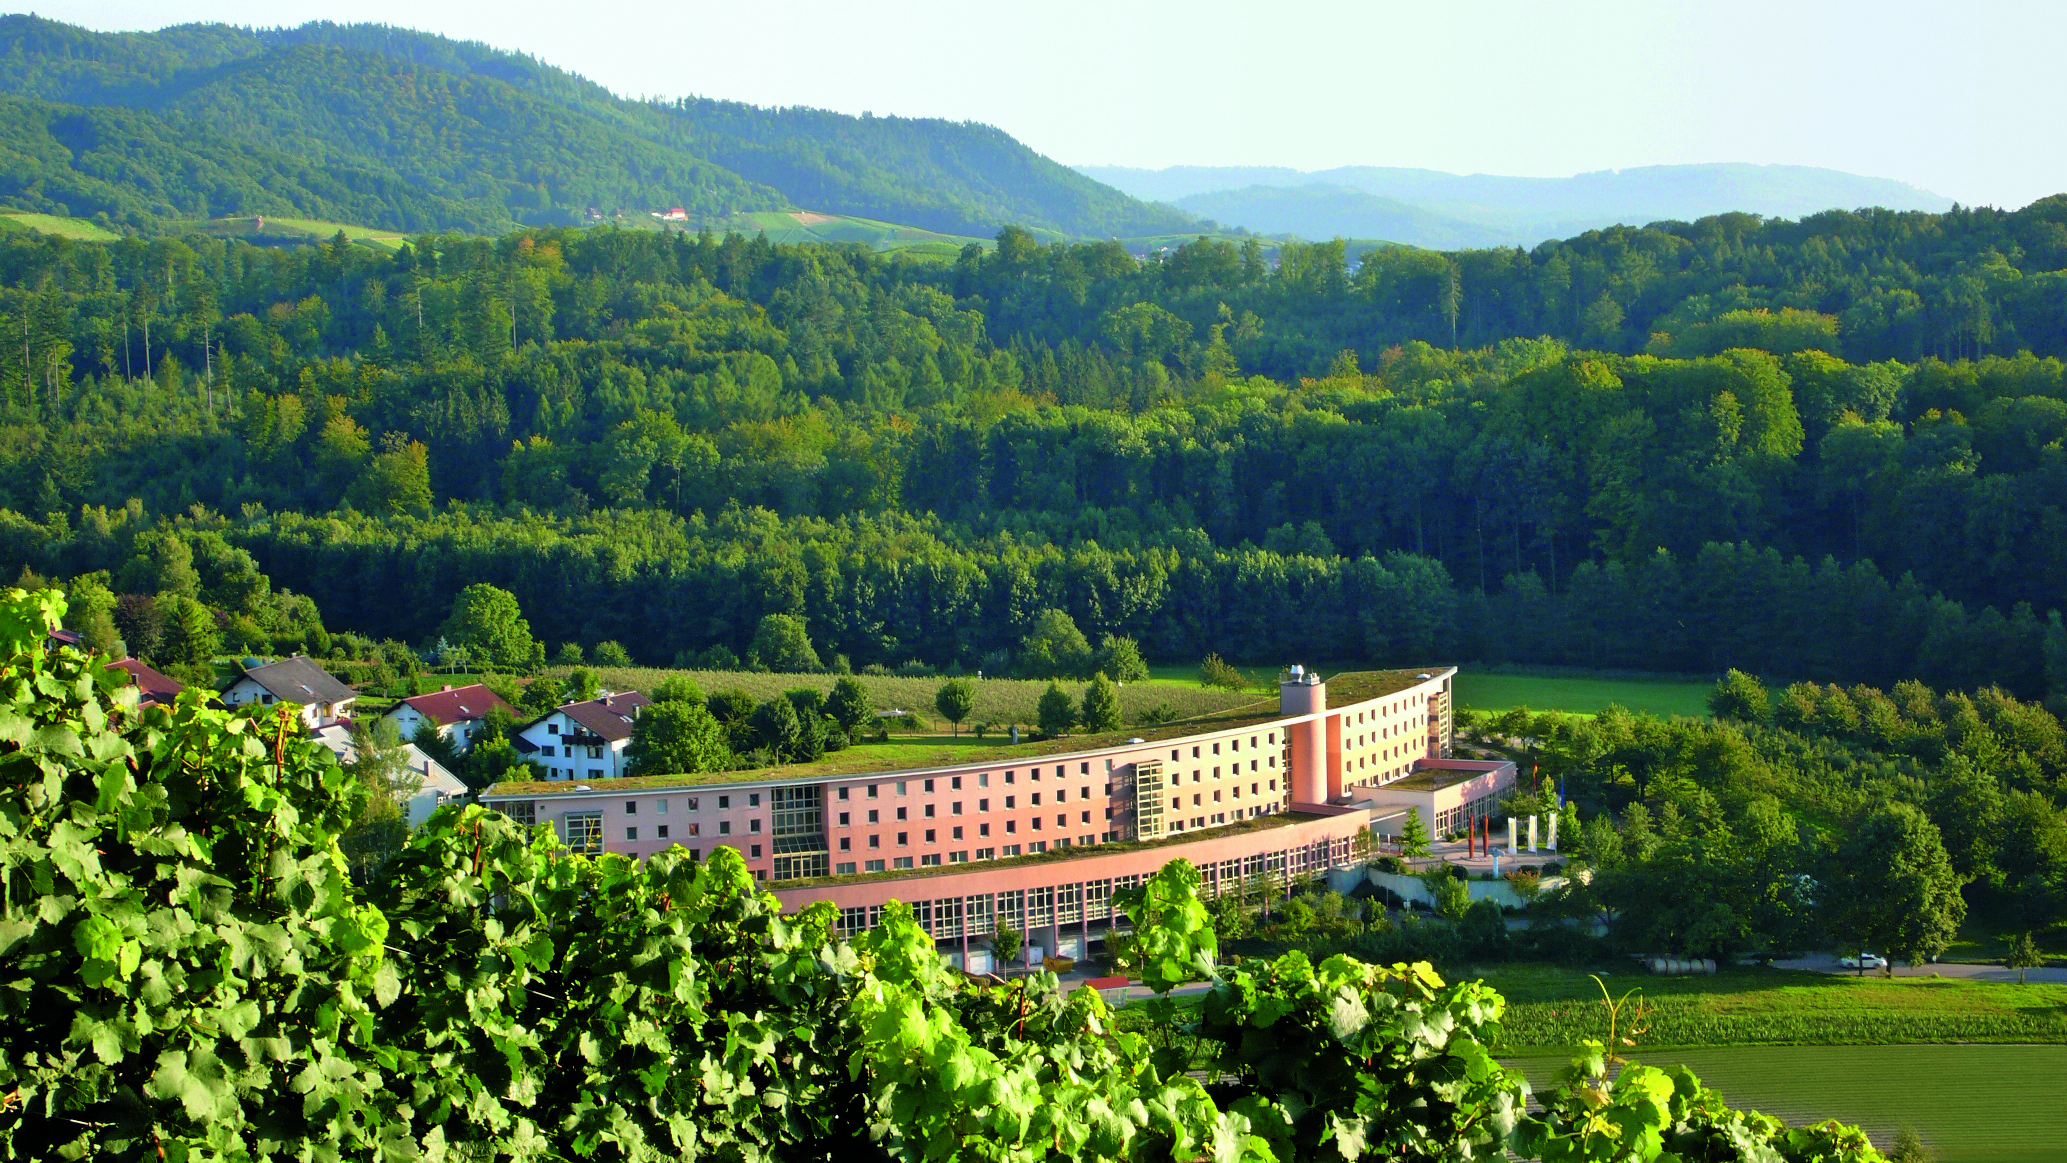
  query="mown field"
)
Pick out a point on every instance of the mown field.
point(247, 228)
point(1574, 694)
point(999, 701)
point(1551, 1008)
point(1969, 1104)
point(76, 229)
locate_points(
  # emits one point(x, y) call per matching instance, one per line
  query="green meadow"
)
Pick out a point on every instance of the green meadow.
point(76, 229)
point(1481, 690)
point(1969, 1103)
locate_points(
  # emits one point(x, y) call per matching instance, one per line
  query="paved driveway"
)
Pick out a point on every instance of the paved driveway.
point(1827, 963)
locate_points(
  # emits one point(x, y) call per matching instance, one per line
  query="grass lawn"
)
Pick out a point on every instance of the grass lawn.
point(1970, 1104)
point(1551, 1008)
point(76, 229)
point(306, 227)
point(1481, 691)
point(999, 701)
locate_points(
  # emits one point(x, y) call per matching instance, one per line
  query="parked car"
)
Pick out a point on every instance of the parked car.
point(1864, 961)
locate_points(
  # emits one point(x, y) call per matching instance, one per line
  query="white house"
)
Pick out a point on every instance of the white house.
point(437, 786)
point(323, 700)
point(457, 713)
point(584, 740)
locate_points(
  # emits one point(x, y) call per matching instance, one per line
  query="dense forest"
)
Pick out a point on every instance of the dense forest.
point(391, 128)
point(658, 440)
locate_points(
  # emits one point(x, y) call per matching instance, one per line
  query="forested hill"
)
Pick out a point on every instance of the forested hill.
point(1807, 449)
point(402, 130)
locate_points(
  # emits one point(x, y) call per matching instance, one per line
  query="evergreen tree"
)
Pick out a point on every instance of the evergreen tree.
point(1056, 714)
point(1101, 708)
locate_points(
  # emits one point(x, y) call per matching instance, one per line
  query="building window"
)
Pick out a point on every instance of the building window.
point(930, 860)
point(871, 791)
point(1036, 823)
point(982, 805)
point(1008, 802)
point(875, 841)
point(631, 807)
point(958, 858)
point(757, 852)
point(843, 793)
point(955, 808)
point(724, 802)
point(986, 854)
point(929, 785)
point(874, 816)
point(873, 865)
point(696, 854)
point(522, 812)
point(903, 814)
point(846, 843)
point(1011, 849)
point(929, 811)
point(1011, 826)
point(958, 831)
point(983, 829)
point(547, 751)
point(753, 800)
point(584, 833)
point(662, 809)
point(844, 817)
point(696, 829)
point(552, 728)
point(955, 784)
point(983, 779)
point(1034, 799)
point(754, 825)
point(724, 827)
point(695, 804)
point(661, 831)
point(904, 839)
point(631, 833)
point(901, 863)
point(929, 835)
point(900, 787)
point(846, 869)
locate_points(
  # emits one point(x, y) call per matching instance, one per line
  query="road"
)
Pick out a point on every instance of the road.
point(1827, 963)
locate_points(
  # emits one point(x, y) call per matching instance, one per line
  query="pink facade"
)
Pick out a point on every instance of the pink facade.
point(1312, 760)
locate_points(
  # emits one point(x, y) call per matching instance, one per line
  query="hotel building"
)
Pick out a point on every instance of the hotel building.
point(1044, 833)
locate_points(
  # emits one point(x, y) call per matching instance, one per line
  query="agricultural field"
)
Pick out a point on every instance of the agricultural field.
point(802, 226)
point(1969, 1104)
point(1480, 690)
point(1553, 1008)
point(301, 228)
point(999, 701)
point(76, 229)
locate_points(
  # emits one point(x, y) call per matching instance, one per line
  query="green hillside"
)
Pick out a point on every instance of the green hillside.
point(404, 131)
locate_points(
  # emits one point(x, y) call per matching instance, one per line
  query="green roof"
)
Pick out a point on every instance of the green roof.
point(1351, 687)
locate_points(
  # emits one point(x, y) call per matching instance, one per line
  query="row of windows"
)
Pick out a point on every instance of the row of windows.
point(1037, 824)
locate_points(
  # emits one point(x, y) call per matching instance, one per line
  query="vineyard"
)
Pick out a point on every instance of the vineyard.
point(191, 974)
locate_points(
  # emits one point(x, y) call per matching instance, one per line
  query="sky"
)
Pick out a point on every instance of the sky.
point(1961, 99)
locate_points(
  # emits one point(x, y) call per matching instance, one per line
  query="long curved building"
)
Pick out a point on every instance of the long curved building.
point(1044, 833)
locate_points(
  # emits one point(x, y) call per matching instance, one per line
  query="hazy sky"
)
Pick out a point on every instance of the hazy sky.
point(1962, 98)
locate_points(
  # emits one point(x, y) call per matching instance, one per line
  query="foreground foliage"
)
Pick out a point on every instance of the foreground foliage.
point(190, 973)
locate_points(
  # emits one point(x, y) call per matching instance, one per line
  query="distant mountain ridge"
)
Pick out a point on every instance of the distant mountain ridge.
point(1432, 208)
point(409, 131)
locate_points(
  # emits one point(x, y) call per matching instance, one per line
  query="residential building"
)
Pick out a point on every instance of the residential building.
point(152, 688)
point(436, 787)
point(585, 740)
point(1047, 831)
point(323, 700)
point(457, 713)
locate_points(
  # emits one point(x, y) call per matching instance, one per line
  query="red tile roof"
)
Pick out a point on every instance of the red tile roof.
point(151, 686)
point(458, 705)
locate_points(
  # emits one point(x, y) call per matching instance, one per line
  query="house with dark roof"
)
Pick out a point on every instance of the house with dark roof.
point(584, 740)
point(457, 713)
point(323, 700)
point(152, 688)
